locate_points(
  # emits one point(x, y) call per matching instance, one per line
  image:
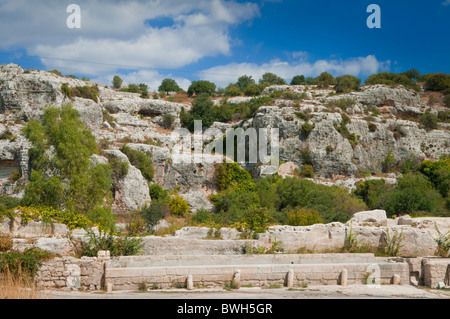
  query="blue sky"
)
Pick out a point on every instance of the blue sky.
point(219, 40)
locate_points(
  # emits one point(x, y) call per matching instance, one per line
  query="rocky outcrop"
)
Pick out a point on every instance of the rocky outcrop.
point(131, 191)
point(27, 93)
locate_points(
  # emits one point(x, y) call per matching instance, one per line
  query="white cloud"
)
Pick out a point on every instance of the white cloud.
point(117, 32)
point(360, 66)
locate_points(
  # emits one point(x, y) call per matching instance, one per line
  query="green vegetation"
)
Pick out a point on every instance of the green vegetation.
point(347, 83)
point(437, 82)
point(268, 79)
point(389, 78)
point(343, 130)
point(202, 86)
point(169, 85)
point(425, 191)
point(278, 197)
point(140, 160)
point(429, 121)
point(23, 265)
point(117, 245)
point(63, 146)
point(85, 92)
point(244, 82)
point(117, 82)
point(324, 80)
point(298, 80)
point(303, 217)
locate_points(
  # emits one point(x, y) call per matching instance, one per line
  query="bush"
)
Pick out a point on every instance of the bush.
point(75, 184)
point(388, 163)
point(307, 171)
point(298, 80)
point(202, 86)
point(389, 78)
point(343, 103)
point(307, 128)
point(429, 121)
point(325, 79)
point(157, 193)
point(447, 103)
point(253, 90)
point(179, 206)
point(437, 81)
point(66, 90)
point(268, 79)
point(232, 175)
point(117, 82)
point(233, 90)
point(373, 193)
point(158, 210)
point(257, 218)
point(347, 83)
point(244, 81)
point(117, 245)
point(303, 217)
point(86, 92)
point(6, 242)
point(438, 172)
point(25, 265)
point(103, 217)
point(140, 160)
point(202, 110)
point(168, 121)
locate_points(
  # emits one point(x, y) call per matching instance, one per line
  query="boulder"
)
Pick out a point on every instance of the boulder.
point(370, 218)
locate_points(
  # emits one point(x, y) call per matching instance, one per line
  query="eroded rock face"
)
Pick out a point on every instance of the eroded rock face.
point(131, 191)
point(28, 93)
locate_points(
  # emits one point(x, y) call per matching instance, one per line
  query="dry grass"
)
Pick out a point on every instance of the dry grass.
point(19, 288)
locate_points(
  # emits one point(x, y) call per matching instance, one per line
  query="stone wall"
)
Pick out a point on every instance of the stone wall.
point(72, 273)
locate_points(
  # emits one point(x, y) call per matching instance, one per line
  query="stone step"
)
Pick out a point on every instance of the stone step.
point(255, 275)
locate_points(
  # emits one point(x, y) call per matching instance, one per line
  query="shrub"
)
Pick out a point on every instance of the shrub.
point(253, 90)
point(103, 217)
point(157, 193)
point(438, 172)
point(117, 82)
point(298, 80)
point(140, 160)
point(168, 121)
point(202, 86)
point(86, 92)
point(447, 103)
point(268, 79)
point(232, 90)
point(179, 206)
point(343, 103)
point(23, 265)
point(75, 184)
point(307, 171)
point(389, 78)
point(66, 90)
point(388, 163)
point(244, 81)
point(228, 175)
point(257, 218)
point(159, 209)
point(119, 168)
point(202, 110)
point(429, 121)
point(437, 81)
point(117, 245)
point(347, 83)
point(325, 79)
point(307, 128)
point(303, 217)
point(443, 242)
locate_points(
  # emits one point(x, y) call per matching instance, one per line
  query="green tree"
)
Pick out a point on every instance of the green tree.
point(253, 90)
point(413, 74)
point(169, 85)
point(268, 79)
point(298, 80)
point(325, 79)
point(437, 81)
point(117, 82)
point(244, 81)
point(202, 86)
point(429, 121)
point(202, 110)
point(232, 175)
point(347, 83)
point(389, 78)
point(233, 90)
point(63, 175)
